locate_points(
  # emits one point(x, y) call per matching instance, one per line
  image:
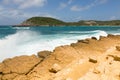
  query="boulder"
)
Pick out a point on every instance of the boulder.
point(94, 38)
point(55, 68)
point(20, 65)
point(44, 54)
point(84, 41)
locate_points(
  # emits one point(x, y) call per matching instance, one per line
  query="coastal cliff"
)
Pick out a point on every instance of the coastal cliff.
point(88, 59)
point(47, 21)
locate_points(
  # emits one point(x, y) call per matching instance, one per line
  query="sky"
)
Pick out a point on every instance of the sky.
point(16, 11)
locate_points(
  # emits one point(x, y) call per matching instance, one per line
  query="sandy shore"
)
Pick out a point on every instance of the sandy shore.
point(88, 59)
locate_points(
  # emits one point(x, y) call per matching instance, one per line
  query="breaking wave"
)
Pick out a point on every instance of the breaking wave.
point(30, 42)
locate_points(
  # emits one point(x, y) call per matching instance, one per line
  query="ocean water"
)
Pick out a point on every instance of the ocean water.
point(15, 41)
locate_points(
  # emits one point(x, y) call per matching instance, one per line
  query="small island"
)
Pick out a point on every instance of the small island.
point(47, 21)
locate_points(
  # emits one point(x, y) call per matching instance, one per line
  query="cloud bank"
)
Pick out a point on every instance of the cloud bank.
point(23, 4)
point(89, 6)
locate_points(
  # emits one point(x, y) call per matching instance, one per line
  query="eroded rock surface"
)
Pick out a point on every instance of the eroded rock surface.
point(88, 59)
point(12, 67)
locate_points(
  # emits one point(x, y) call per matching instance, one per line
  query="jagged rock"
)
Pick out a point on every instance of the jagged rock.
point(110, 35)
point(20, 65)
point(55, 68)
point(84, 41)
point(118, 48)
point(94, 38)
point(21, 77)
point(44, 54)
point(75, 62)
point(9, 76)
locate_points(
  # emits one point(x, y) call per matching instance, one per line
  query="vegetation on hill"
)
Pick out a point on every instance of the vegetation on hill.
point(47, 21)
point(43, 21)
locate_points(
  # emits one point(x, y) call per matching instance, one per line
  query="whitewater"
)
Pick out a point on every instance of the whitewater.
point(15, 41)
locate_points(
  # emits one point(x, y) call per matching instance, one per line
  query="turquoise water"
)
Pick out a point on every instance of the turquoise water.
point(15, 41)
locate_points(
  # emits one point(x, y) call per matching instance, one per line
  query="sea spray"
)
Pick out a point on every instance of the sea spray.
point(27, 41)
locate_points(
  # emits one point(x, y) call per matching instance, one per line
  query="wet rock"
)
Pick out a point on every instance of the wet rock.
point(94, 38)
point(84, 41)
point(110, 35)
point(44, 54)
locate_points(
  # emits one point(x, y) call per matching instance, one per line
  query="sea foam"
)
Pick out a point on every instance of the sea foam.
point(26, 42)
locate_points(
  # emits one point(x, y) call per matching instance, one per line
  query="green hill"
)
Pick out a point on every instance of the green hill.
point(47, 21)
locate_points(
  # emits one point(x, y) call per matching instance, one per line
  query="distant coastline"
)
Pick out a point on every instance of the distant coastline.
point(47, 21)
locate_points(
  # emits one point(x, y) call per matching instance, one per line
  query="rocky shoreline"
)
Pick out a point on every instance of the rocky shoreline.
point(88, 59)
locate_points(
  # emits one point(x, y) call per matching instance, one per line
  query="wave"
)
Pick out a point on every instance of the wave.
point(88, 34)
point(26, 42)
point(21, 28)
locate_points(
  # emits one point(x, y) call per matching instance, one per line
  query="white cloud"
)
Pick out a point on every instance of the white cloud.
point(48, 15)
point(22, 4)
point(14, 16)
point(93, 4)
point(63, 5)
point(78, 8)
point(113, 18)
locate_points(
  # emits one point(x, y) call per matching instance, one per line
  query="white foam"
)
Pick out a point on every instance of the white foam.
point(20, 28)
point(27, 42)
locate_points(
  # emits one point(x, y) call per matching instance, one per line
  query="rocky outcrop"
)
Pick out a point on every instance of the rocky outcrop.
point(55, 68)
point(44, 54)
point(88, 59)
point(10, 68)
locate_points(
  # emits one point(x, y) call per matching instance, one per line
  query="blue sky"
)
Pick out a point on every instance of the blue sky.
point(16, 11)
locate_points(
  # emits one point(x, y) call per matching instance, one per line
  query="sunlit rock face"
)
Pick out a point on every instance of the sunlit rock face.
point(88, 59)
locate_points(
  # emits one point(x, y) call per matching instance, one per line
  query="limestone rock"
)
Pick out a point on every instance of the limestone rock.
point(88, 59)
point(84, 41)
point(20, 65)
point(118, 48)
point(0, 77)
point(1, 67)
point(94, 38)
point(44, 54)
point(55, 68)
point(21, 77)
point(9, 76)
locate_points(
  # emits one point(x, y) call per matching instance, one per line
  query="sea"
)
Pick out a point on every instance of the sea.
point(16, 41)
